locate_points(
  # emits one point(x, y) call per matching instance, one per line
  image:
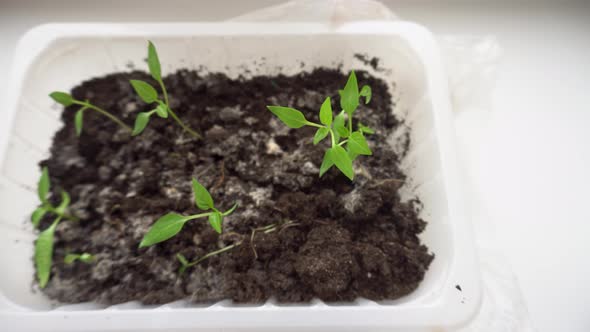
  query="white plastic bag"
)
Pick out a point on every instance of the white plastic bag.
point(471, 64)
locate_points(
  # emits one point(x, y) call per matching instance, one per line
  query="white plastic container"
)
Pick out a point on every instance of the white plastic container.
point(59, 56)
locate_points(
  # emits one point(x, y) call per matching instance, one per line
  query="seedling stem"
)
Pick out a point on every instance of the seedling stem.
point(86, 104)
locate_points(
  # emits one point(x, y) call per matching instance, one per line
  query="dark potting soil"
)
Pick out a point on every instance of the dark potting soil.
point(335, 239)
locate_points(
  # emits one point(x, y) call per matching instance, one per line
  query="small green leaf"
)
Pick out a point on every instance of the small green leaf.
point(84, 258)
point(290, 116)
point(182, 259)
point(230, 211)
point(183, 262)
point(340, 158)
point(164, 228)
point(141, 122)
point(62, 98)
point(366, 92)
point(320, 135)
point(352, 155)
point(43, 185)
point(215, 220)
point(326, 112)
point(154, 62)
point(38, 215)
point(70, 258)
point(349, 98)
point(78, 120)
point(63, 205)
point(358, 144)
point(44, 253)
point(365, 129)
point(162, 110)
point(327, 163)
point(202, 197)
point(340, 126)
point(146, 92)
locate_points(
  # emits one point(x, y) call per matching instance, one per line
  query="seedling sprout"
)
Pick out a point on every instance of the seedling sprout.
point(341, 133)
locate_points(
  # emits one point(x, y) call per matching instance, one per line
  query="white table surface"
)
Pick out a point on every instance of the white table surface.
point(533, 169)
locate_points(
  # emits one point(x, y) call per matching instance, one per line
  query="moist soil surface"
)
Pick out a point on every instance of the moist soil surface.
point(333, 239)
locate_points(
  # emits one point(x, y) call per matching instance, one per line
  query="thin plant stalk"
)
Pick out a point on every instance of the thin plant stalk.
point(213, 253)
point(174, 116)
point(103, 112)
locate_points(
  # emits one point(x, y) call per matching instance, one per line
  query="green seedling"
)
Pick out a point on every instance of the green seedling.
point(44, 243)
point(185, 264)
point(171, 223)
point(267, 229)
point(67, 100)
point(83, 257)
point(46, 206)
point(44, 253)
point(347, 144)
point(148, 94)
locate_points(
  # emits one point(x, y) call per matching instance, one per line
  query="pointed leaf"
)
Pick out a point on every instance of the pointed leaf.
point(78, 121)
point(141, 122)
point(231, 210)
point(202, 197)
point(85, 258)
point(365, 129)
point(340, 126)
point(62, 98)
point(43, 185)
point(290, 116)
point(164, 228)
point(70, 258)
point(327, 163)
point(366, 92)
point(326, 112)
point(352, 155)
point(349, 98)
point(44, 254)
point(320, 135)
point(215, 221)
point(183, 262)
point(162, 110)
point(63, 205)
point(341, 159)
point(145, 91)
point(182, 259)
point(358, 144)
point(154, 62)
point(38, 215)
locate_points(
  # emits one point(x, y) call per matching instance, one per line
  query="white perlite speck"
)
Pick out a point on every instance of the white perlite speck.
point(351, 200)
point(272, 147)
point(260, 195)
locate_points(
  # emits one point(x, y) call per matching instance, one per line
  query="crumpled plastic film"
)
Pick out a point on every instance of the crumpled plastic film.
point(332, 12)
point(471, 64)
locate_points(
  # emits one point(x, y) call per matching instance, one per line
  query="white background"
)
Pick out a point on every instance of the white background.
point(533, 167)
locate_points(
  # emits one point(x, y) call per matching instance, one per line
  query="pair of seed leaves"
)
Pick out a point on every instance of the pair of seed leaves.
point(43, 187)
point(44, 243)
point(66, 100)
point(83, 257)
point(44, 254)
point(145, 91)
point(356, 143)
point(148, 93)
point(171, 223)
